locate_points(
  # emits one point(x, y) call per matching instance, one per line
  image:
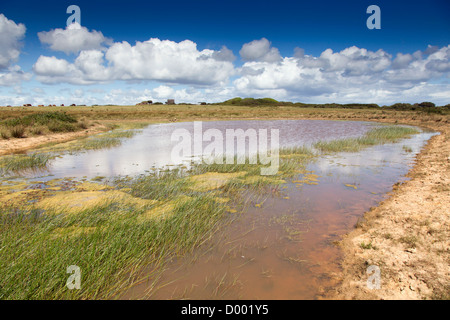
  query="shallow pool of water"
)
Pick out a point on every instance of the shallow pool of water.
point(152, 148)
point(283, 245)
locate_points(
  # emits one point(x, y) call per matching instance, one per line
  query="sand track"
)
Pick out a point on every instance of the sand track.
point(20, 145)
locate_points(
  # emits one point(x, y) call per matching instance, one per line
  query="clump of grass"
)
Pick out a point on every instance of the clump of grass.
point(121, 134)
point(407, 149)
point(5, 134)
point(411, 241)
point(18, 131)
point(83, 123)
point(62, 127)
point(367, 246)
point(18, 163)
point(100, 143)
point(373, 137)
point(390, 133)
point(157, 185)
point(300, 150)
point(103, 141)
point(387, 236)
point(349, 145)
point(39, 130)
point(290, 159)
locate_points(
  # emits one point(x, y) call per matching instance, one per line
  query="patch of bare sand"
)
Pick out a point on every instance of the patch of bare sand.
point(409, 235)
point(15, 145)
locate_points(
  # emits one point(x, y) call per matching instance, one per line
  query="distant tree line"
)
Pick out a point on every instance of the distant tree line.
point(423, 106)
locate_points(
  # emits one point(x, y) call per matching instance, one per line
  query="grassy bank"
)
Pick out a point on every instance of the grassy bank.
point(40, 123)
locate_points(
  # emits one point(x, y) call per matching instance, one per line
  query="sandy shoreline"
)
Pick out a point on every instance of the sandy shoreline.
point(20, 145)
point(408, 233)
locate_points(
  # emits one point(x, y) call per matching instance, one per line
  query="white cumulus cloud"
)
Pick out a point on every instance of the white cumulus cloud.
point(155, 59)
point(351, 75)
point(259, 50)
point(73, 39)
point(11, 35)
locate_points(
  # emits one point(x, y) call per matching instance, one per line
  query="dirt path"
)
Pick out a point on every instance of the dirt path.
point(407, 236)
point(23, 144)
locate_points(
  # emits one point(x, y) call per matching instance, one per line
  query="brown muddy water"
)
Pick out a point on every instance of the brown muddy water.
point(282, 245)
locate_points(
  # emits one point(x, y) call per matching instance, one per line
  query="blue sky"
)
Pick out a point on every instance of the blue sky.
point(307, 51)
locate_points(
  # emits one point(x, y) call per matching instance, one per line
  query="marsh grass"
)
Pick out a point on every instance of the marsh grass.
point(156, 185)
point(103, 141)
point(99, 143)
point(375, 136)
point(110, 247)
point(20, 163)
point(407, 149)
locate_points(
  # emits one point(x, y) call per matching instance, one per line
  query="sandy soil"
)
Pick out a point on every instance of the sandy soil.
point(19, 145)
point(407, 236)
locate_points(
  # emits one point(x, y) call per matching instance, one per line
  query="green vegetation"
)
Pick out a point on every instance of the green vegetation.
point(102, 141)
point(407, 149)
point(19, 163)
point(253, 102)
point(411, 241)
point(109, 242)
point(44, 118)
point(367, 246)
point(373, 137)
point(40, 123)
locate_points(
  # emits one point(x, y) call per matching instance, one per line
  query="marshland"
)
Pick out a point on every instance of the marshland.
point(109, 201)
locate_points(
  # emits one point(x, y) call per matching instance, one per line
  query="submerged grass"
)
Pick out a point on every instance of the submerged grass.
point(373, 137)
point(19, 163)
point(102, 141)
point(107, 242)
